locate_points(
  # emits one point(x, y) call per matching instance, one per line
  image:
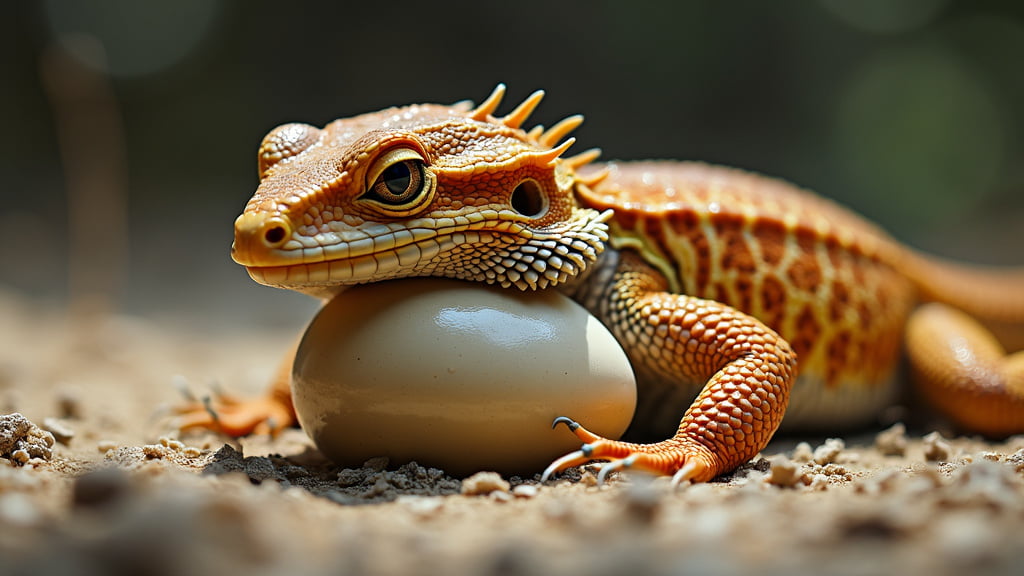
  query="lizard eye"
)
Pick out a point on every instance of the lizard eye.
point(400, 181)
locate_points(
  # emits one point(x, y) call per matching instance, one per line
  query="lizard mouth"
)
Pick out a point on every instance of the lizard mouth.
point(486, 246)
point(351, 263)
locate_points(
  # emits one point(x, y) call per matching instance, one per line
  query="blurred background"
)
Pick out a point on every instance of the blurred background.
point(132, 127)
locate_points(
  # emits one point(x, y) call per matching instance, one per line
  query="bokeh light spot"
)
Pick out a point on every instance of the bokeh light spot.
point(885, 16)
point(921, 136)
point(137, 38)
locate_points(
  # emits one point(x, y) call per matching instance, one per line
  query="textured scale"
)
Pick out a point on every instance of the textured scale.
point(734, 295)
point(822, 278)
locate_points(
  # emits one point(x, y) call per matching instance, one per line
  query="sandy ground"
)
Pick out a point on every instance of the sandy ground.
point(124, 494)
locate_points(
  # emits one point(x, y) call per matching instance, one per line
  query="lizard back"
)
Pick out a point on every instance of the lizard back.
point(825, 279)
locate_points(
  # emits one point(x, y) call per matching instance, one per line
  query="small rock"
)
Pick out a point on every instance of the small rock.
point(783, 472)
point(20, 457)
point(990, 456)
point(106, 446)
point(936, 448)
point(985, 483)
point(499, 496)
point(61, 431)
point(819, 482)
point(154, 451)
point(483, 483)
point(802, 453)
point(21, 440)
point(893, 440)
point(171, 443)
point(1016, 460)
point(377, 464)
point(226, 460)
point(258, 468)
point(829, 451)
point(350, 477)
point(525, 491)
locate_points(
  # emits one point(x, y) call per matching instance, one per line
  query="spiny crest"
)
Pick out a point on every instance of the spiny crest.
point(545, 138)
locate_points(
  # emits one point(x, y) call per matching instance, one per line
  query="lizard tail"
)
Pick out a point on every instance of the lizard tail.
point(994, 296)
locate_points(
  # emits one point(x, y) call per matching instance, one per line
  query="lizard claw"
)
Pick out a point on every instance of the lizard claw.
point(684, 461)
point(569, 422)
point(685, 473)
point(614, 466)
point(232, 416)
point(568, 461)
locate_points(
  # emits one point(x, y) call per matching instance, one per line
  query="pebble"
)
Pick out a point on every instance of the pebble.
point(829, 451)
point(21, 440)
point(61, 431)
point(893, 440)
point(783, 472)
point(483, 483)
point(525, 491)
point(499, 496)
point(936, 448)
point(803, 452)
point(987, 484)
point(819, 482)
point(259, 468)
point(1017, 460)
point(106, 445)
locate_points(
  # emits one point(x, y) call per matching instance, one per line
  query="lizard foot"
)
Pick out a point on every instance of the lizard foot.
point(685, 461)
point(235, 417)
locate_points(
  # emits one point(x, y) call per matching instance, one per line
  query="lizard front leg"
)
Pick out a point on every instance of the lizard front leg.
point(266, 414)
point(747, 367)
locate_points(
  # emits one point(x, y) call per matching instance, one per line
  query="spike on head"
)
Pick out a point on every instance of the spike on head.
point(487, 107)
point(411, 191)
point(560, 130)
point(553, 154)
point(516, 118)
point(583, 158)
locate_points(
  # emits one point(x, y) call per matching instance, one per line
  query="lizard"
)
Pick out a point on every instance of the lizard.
point(735, 294)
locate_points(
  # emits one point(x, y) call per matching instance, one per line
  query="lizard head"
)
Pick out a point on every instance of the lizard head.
point(422, 190)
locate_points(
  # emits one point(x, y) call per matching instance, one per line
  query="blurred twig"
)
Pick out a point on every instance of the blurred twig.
point(91, 140)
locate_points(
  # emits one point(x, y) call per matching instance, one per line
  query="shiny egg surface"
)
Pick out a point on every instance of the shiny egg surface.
point(457, 375)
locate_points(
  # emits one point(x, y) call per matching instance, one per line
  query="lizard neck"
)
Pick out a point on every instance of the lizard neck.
point(590, 288)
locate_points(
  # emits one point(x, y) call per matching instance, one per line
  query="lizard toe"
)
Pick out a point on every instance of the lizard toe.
point(684, 460)
point(234, 417)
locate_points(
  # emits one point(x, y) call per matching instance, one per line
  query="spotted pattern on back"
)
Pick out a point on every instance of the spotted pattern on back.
point(823, 278)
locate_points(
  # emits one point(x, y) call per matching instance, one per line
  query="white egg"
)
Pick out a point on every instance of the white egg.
point(457, 375)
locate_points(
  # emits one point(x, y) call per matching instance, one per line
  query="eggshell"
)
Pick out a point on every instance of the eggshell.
point(457, 375)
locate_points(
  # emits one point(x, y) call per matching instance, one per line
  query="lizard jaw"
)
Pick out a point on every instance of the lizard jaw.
point(514, 255)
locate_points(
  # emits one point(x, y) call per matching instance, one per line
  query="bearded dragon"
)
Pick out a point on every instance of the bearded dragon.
point(732, 293)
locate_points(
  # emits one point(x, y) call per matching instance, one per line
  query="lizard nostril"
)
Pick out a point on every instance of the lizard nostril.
point(274, 235)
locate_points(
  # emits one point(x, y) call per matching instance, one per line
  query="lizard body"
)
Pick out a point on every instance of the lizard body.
point(718, 283)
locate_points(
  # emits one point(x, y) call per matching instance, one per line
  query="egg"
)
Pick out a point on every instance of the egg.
point(457, 375)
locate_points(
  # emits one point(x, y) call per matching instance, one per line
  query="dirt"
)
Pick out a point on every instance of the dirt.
point(104, 485)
